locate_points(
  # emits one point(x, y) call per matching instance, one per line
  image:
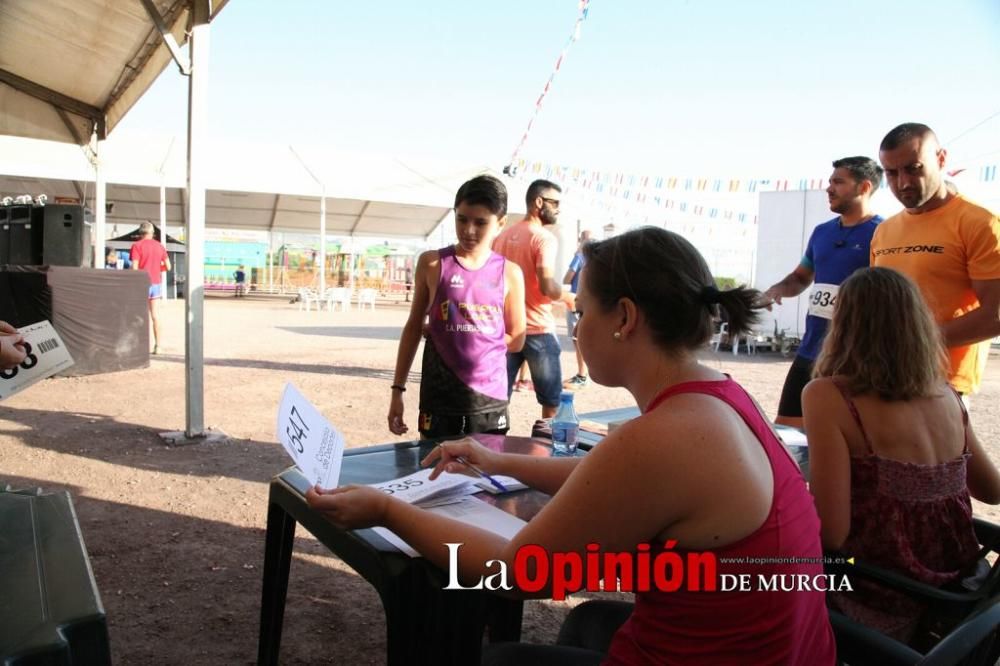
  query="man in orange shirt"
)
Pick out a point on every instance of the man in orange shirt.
point(946, 244)
point(533, 247)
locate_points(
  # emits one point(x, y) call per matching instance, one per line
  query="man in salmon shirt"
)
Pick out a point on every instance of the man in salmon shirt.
point(946, 244)
point(533, 247)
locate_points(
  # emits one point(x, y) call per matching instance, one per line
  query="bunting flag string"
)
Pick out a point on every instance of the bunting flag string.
point(602, 181)
point(613, 198)
point(727, 227)
point(574, 36)
point(598, 180)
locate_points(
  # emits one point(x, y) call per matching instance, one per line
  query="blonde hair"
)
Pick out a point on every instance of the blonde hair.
point(882, 338)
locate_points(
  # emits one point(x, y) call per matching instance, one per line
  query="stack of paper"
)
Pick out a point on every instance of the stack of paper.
point(466, 510)
point(418, 489)
point(449, 495)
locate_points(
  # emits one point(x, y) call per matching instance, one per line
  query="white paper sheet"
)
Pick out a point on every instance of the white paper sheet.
point(47, 355)
point(417, 488)
point(467, 510)
point(313, 443)
point(791, 436)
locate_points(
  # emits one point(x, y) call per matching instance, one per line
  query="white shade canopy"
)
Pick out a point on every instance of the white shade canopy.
point(250, 186)
point(68, 67)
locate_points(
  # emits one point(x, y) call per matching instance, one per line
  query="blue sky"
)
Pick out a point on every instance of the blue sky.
point(741, 89)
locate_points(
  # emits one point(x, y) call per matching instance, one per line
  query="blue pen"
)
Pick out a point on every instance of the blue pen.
point(499, 486)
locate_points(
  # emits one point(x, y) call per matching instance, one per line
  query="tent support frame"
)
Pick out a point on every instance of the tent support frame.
point(183, 63)
point(57, 100)
point(194, 301)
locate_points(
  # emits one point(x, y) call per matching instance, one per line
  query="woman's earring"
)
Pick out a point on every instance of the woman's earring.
point(618, 335)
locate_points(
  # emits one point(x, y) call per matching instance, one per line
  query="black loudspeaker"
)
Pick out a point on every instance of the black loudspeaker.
point(66, 235)
point(20, 236)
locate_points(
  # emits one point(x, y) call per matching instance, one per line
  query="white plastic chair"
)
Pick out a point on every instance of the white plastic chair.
point(338, 296)
point(367, 297)
point(724, 330)
point(307, 297)
point(717, 337)
point(762, 335)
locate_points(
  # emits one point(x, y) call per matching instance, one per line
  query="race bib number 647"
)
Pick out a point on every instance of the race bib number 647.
point(315, 445)
point(822, 300)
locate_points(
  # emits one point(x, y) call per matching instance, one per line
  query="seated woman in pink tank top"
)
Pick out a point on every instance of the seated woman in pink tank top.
point(892, 456)
point(700, 475)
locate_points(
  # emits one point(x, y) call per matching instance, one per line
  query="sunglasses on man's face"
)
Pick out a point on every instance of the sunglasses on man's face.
point(553, 202)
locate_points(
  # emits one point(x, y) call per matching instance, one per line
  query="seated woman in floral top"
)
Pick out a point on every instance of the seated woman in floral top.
point(892, 456)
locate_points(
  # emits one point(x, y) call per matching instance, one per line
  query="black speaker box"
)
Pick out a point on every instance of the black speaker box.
point(20, 236)
point(66, 235)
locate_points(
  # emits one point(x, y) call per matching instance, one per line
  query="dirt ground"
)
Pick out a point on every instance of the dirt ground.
point(176, 534)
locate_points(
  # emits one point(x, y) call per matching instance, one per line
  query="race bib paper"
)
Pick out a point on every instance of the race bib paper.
point(46, 355)
point(313, 443)
point(417, 488)
point(822, 299)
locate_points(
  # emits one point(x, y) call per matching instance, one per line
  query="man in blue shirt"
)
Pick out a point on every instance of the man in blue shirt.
point(836, 249)
point(241, 282)
point(572, 278)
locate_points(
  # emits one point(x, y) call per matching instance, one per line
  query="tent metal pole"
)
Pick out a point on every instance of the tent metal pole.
point(183, 63)
point(322, 243)
point(350, 275)
point(322, 221)
point(163, 234)
point(163, 220)
point(100, 215)
point(194, 337)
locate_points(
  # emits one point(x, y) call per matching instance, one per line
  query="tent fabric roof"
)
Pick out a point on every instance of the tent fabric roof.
point(250, 186)
point(67, 66)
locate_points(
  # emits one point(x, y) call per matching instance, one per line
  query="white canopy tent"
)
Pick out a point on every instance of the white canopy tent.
point(71, 69)
point(249, 186)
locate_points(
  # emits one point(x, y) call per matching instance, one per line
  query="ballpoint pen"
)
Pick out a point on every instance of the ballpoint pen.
point(499, 486)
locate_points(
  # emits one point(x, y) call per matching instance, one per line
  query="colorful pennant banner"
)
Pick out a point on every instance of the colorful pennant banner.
point(626, 201)
point(652, 190)
point(574, 36)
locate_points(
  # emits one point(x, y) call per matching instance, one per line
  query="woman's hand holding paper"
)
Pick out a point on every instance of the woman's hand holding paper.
point(351, 507)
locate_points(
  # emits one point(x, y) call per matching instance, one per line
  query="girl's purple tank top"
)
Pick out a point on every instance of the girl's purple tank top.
point(467, 323)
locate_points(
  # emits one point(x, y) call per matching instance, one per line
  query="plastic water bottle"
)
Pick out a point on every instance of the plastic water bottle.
point(565, 426)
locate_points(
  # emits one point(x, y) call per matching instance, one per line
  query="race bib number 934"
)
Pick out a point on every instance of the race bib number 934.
point(822, 300)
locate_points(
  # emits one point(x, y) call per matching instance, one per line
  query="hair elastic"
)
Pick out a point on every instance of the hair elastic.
point(710, 295)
